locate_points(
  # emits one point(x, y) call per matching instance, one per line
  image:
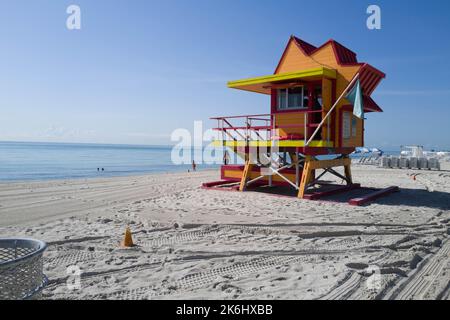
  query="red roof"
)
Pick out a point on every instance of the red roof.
point(370, 105)
point(344, 55)
point(369, 76)
point(306, 47)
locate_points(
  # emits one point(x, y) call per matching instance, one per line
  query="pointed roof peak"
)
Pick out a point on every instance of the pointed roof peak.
point(343, 54)
point(341, 45)
point(306, 47)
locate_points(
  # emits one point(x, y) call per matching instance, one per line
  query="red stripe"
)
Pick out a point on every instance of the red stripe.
point(367, 85)
point(363, 78)
point(373, 83)
point(372, 196)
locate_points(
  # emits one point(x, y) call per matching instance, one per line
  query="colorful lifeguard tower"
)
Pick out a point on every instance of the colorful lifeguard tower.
point(309, 117)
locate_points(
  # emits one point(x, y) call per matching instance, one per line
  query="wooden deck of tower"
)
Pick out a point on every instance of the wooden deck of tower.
point(309, 118)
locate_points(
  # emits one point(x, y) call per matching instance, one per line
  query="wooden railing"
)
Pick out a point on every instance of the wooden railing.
point(256, 124)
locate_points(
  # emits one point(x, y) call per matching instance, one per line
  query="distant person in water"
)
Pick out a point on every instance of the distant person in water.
point(103, 169)
point(98, 169)
point(194, 166)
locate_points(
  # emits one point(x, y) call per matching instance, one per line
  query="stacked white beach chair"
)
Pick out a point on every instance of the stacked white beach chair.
point(413, 163)
point(421, 163)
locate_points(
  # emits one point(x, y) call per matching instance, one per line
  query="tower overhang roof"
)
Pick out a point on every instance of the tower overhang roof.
point(264, 84)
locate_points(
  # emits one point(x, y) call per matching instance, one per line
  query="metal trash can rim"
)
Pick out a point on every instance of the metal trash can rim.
point(21, 273)
point(40, 250)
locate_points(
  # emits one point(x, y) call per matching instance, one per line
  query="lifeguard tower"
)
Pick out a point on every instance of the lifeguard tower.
point(309, 118)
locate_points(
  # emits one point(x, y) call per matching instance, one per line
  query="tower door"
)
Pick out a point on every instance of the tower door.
point(351, 128)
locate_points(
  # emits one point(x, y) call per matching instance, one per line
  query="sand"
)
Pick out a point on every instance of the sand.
point(193, 243)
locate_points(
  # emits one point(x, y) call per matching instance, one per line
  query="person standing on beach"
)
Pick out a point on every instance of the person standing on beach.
point(226, 158)
point(194, 166)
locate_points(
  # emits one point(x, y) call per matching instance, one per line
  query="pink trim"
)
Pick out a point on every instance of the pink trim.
point(273, 101)
point(317, 151)
point(234, 188)
point(257, 128)
point(289, 137)
point(214, 183)
point(372, 196)
point(234, 167)
point(244, 116)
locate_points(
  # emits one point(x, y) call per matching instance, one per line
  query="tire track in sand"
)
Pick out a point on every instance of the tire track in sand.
point(350, 283)
point(419, 285)
point(198, 280)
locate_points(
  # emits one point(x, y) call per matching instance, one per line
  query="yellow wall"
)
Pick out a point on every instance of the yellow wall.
point(327, 88)
point(290, 118)
point(295, 60)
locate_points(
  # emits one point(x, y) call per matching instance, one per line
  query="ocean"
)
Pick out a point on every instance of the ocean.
point(22, 161)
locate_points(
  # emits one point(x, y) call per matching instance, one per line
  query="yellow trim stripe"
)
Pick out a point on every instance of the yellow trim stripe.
point(328, 73)
point(284, 143)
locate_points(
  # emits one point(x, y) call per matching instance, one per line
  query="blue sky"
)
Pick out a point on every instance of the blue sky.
point(137, 70)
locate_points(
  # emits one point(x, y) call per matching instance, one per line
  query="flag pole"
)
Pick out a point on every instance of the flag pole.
point(331, 110)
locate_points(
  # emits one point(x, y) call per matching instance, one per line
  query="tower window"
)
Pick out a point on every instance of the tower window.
point(291, 98)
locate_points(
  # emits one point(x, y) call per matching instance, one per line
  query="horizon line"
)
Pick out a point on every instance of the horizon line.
point(88, 143)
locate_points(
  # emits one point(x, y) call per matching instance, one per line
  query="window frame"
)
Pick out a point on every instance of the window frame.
point(346, 125)
point(354, 126)
point(285, 91)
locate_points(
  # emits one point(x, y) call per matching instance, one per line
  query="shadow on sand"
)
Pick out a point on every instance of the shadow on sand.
point(406, 197)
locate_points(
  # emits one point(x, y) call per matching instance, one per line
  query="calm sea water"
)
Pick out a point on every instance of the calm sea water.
point(45, 161)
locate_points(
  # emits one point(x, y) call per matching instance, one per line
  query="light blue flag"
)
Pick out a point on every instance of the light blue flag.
point(355, 96)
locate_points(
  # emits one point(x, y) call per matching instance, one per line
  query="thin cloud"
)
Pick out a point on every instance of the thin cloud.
point(412, 92)
point(146, 135)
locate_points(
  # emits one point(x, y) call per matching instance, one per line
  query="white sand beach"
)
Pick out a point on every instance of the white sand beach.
point(193, 243)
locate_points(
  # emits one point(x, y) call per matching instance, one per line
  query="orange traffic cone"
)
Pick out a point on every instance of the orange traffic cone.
point(127, 240)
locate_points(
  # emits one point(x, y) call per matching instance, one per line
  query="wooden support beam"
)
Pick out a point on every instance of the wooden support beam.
point(323, 164)
point(306, 177)
point(245, 175)
point(312, 164)
point(372, 196)
point(294, 159)
point(312, 176)
point(348, 172)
